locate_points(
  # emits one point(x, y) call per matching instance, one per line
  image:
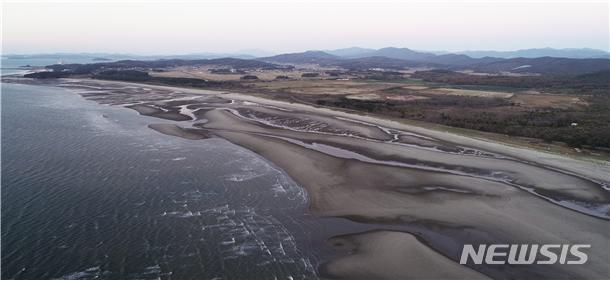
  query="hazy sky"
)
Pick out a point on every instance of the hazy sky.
point(172, 27)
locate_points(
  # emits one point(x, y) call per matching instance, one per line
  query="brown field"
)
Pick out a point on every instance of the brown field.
point(354, 89)
point(510, 74)
point(548, 100)
point(203, 72)
point(468, 92)
point(364, 96)
point(324, 87)
point(415, 87)
point(405, 97)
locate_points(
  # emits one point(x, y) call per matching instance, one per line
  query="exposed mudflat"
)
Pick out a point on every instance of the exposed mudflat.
point(437, 190)
point(187, 133)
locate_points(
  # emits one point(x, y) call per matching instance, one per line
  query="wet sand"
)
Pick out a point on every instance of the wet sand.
point(384, 254)
point(169, 114)
point(186, 133)
point(437, 190)
point(468, 209)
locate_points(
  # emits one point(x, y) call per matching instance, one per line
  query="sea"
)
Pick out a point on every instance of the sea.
point(88, 191)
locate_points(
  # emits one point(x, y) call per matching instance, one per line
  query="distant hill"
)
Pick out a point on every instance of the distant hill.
point(307, 57)
point(541, 52)
point(359, 58)
point(380, 62)
point(545, 65)
point(76, 69)
point(396, 53)
point(55, 56)
point(459, 60)
point(356, 58)
point(411, 55)
point(394, 58)
point(121, 56)
point(598, 78)
point(325, 59)
point(349, 52)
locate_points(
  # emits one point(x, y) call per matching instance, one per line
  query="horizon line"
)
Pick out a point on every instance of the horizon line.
point(245, 51)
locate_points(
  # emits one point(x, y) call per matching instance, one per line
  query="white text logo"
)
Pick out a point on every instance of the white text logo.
point(524, 254)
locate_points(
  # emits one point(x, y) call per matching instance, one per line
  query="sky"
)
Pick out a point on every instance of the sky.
point(182, 27)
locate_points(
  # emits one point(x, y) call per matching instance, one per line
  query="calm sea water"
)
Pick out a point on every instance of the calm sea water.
point(88, 191)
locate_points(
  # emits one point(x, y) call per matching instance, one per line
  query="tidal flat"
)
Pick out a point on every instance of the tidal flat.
point(422, 193)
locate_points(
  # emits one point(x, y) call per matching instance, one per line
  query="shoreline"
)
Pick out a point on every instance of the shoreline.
point(569, 163)
point(518, 142)
point(316, 149)
point(553, 151)
point(505, 146)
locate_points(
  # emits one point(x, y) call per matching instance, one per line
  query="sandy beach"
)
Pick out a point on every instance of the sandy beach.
point(381, 254)
point(437, 190)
